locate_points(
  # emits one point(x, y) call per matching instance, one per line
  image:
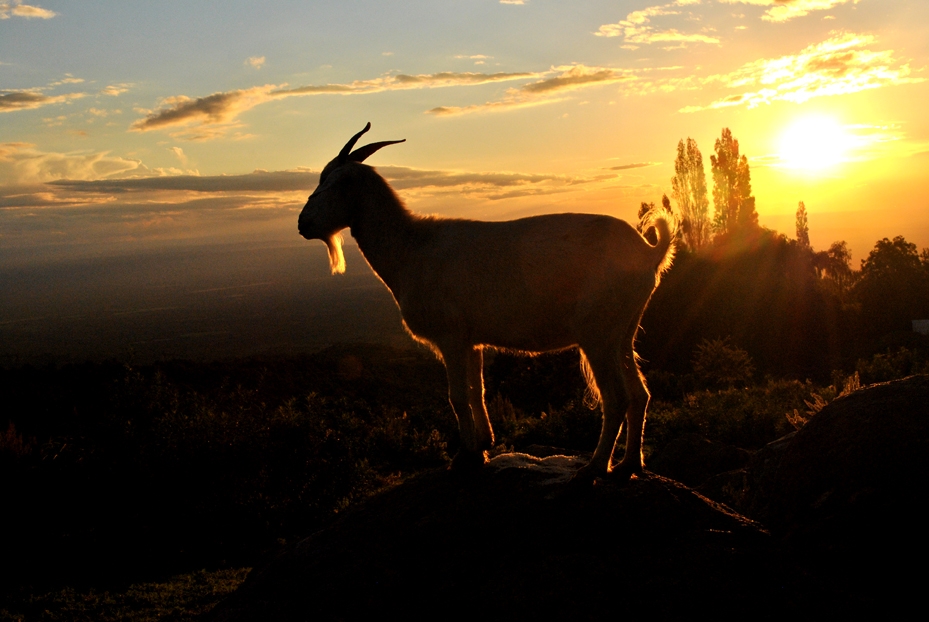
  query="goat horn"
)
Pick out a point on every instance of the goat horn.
point(348, 146)
point(361, 153)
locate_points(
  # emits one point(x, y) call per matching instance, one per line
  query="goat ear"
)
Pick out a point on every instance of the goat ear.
point(362, 153)
point(351, 143)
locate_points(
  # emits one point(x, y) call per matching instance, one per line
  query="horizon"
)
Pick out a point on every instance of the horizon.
point(133, 131)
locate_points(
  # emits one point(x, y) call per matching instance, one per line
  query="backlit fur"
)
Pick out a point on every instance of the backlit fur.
point(531, 285)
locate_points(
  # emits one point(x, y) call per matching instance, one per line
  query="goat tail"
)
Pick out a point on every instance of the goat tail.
point(665, 247)
point(592, 397)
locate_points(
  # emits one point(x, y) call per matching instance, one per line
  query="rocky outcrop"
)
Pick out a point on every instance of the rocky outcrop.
point(861, 465)
point(844, 498)
point(518, 541)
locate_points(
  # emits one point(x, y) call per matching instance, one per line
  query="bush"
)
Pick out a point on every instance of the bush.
point(747, 418)
point(893, 364)
point(717, 364)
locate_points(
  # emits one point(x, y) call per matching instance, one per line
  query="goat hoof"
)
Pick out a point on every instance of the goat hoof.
point(625, 470)
point(584, 477)
point(468, 461)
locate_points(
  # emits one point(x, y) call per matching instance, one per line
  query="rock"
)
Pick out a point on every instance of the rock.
point(862, 461)
point(692, 459)
point(518, 540)
point(847, 494)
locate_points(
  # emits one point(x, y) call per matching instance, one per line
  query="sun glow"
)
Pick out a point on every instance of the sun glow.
point(814, 144)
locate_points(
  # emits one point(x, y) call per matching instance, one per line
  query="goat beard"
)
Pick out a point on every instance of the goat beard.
point(336, 258)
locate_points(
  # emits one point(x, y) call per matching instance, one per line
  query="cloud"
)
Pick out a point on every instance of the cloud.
point(215, 115)
point(512, 1)
point(218, 108)
point(300, 180)
point(637, 28)
point(545, 91)
point(21, 163)
point(28, 100)
point(624, 167)
point(255, 61)
point(303, 181)
point(838, 66)
point(180, 154)
point(404, 82)
point(786, 10)
point(18, 9)
point(115, 89)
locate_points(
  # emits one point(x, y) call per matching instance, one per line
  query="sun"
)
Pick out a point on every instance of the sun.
point(814, 144)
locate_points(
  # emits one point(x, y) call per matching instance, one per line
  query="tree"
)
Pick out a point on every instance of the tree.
point(803, 227)
point(732, 186)
point(688, 187)
point(893, 288)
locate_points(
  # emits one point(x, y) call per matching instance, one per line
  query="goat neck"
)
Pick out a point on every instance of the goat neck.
point(382, 225)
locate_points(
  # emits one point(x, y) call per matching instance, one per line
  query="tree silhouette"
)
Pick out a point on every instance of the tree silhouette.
point(732, 186)
point(688, 187)
point(893, 288)
point(803, 227)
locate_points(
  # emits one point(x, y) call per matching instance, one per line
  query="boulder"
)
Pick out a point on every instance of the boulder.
point(519, 541)
point(860, 465)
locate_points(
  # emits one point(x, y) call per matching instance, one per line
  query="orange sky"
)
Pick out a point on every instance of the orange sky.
point(108, 112)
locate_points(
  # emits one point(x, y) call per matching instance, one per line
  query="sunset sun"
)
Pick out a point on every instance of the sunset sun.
point(814, 144)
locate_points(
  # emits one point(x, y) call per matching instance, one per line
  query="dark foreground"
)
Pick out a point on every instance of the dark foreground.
point(518, 541)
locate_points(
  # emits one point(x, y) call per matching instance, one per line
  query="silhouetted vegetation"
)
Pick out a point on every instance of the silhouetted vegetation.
point(169, 468)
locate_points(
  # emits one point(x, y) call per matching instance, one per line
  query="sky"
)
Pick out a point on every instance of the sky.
point(134, 127)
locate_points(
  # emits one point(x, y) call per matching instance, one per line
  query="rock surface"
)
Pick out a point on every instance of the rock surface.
point(692, 459)
point(845, 499)
point(518, 541)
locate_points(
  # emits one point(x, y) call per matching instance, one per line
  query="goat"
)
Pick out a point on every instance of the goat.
point(531, 285)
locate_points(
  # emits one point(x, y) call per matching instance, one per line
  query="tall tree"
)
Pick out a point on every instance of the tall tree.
point(732, 186)
point(688, 187)
point(803, 226)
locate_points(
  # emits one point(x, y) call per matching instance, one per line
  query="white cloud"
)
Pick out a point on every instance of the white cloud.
point(637, 28)
point(840, 65)
point(18, 9)
point(786, 10)
point(255, 61)
point(21, 163)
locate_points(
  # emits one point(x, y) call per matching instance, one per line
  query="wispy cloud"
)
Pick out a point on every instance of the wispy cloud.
point(18, 9)
point(840, 65)
point(28, 100)
point(512, 1)
point(404, 82)
point(22, 163)
point(624, 167)
point(549, 89)
point(116, 89)
point(215, 109)
point(255, 61)
point(786, 10)
point(177, 151)
point(486, 184)
point(215, 115)
point(637, 29)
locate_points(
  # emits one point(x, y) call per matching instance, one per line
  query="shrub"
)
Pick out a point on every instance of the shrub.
point(717, 364)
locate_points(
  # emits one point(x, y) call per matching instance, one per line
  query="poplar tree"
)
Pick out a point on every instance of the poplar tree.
point(803, 227)
point(732, 187)
point(688, 187)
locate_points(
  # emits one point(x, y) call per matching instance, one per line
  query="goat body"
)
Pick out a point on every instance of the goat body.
point(530, 285)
